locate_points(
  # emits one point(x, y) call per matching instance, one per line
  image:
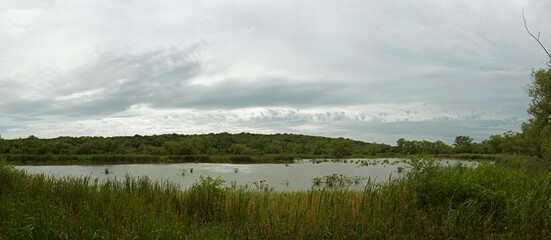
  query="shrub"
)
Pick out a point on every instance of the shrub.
point(205, 199)
point(440, 186)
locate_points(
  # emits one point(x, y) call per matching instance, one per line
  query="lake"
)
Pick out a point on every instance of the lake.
point(352, 173)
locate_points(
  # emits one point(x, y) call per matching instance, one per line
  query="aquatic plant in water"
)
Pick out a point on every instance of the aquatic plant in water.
point(263, 186)
point(337, 180)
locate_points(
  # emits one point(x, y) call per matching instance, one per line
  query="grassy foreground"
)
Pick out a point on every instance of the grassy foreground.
point(507, 200)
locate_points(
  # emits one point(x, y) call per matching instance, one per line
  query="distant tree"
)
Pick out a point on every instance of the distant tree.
point(32, 137)
point(441, 147)
point(239, 149)
point(295, 148)
point(400, 143)
point(372, 149)
point(258, 144)
point(342, 147)
point(494, 143)
point(461, 141)
point(462, 144)
point(321, 147)
point(411, 147)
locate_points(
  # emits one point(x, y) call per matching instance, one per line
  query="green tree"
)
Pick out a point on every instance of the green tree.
point(372, 149)
point(342, 147)
point(238, 149)
point(400, 143)
point(441, 147)
point(463, 144)
point(537, 129)
point(495, 144)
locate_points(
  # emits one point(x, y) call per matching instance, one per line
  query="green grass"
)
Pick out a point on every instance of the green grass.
point(511, 199)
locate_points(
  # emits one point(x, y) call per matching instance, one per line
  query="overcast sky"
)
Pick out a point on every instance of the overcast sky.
point(368, 70)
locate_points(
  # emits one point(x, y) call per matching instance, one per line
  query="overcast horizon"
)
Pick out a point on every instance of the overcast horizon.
point(373, 71)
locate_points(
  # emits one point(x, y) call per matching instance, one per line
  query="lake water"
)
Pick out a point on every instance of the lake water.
point(279, 177)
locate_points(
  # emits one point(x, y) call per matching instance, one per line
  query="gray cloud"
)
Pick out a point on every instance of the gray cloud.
point(162, 79)
point(355, 68)
point(115, 83)
point(363, 126)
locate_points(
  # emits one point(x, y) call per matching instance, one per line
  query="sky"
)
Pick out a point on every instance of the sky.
point(368, 70)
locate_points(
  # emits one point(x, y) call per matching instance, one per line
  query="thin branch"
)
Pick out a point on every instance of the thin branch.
point(536, 38)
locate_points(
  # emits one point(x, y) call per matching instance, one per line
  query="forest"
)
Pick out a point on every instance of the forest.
point(250, 144)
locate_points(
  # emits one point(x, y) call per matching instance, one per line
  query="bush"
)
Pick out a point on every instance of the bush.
point(441, 186)
point(205, 199)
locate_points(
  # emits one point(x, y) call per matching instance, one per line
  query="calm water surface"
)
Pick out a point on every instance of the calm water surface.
point(280, 177)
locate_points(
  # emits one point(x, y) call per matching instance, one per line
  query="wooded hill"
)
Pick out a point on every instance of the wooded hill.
point(205, 144)
point(243, 144)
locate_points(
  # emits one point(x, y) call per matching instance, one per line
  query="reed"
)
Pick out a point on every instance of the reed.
point(508, 200)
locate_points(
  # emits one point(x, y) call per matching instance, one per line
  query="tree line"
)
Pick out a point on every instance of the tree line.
point(179, 144)
point(253, 144)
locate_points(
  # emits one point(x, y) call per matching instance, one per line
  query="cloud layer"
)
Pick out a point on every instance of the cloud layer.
point(369, 70)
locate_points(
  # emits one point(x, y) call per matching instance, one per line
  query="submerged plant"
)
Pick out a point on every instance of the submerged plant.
point(263, 186)
point(316, 180)
point(400, 169)
point(286, 182)
point(358, 179)
point(367, 162)
point(337, 180)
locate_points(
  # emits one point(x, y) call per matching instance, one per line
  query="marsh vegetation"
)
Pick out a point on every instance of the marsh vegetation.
point(508, 199)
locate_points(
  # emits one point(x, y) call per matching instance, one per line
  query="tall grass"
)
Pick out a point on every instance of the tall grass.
point(491, 201)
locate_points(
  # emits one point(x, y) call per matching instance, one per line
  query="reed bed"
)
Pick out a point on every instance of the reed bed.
point(431, 201)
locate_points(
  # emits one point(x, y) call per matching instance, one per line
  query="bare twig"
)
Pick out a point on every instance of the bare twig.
point(536, 38)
